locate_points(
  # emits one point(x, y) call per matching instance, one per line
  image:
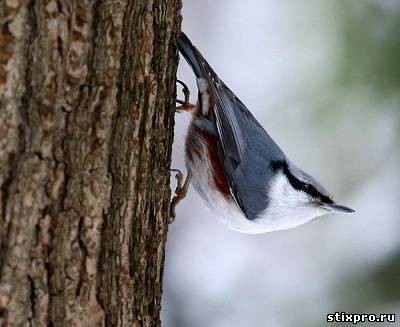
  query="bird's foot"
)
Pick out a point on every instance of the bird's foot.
point(185, 104)
point(180, 191)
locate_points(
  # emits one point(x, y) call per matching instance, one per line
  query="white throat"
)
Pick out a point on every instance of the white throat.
point(287, 208)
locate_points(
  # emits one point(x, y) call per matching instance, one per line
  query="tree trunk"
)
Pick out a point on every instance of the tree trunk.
point(87, 101)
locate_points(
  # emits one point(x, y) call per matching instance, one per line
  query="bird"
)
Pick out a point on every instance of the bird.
point(235, 165)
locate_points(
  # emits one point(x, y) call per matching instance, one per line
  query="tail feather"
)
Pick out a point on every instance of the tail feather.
point(195, 59)
point(191, 54)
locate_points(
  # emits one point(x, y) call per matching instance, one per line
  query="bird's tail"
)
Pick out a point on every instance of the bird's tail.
point(194, 58)
point(191, 54)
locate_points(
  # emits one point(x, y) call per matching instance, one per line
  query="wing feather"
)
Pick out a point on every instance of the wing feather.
point(244, 145)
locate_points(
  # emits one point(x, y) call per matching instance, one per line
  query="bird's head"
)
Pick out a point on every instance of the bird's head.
point(295, 197)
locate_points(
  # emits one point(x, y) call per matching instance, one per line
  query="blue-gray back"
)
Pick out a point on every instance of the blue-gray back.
point(245, 148)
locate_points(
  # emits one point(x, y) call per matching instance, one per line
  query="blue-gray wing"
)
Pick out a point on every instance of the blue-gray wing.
point(245, 148)
point(246, 151)
point(229, 130)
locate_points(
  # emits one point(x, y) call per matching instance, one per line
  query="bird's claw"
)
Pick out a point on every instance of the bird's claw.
point(185, 104)
point(180, 191)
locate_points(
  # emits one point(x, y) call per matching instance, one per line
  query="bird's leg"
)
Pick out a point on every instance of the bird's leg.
point(180, 190)
point(185, 104)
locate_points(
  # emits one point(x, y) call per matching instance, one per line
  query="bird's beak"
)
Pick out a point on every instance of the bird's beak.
point(334, 207)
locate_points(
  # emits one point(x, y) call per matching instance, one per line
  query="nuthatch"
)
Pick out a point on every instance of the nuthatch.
point(236, 166)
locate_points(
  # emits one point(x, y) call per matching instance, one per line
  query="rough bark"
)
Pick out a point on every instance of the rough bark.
point(87, 98)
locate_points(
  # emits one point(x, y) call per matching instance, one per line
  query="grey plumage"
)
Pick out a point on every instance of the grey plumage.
point(232, 159)
point(244, 146)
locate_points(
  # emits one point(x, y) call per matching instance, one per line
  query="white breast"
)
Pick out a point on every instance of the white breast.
point(287, 207)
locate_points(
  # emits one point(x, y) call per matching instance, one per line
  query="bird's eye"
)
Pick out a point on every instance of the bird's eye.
point(307, 186)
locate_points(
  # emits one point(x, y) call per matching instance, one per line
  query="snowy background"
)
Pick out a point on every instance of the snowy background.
point(323, 78)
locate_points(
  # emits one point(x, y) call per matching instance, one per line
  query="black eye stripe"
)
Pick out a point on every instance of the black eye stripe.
point(298, 184)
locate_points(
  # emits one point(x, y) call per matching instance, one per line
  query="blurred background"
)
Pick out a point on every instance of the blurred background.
point(323, 78)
